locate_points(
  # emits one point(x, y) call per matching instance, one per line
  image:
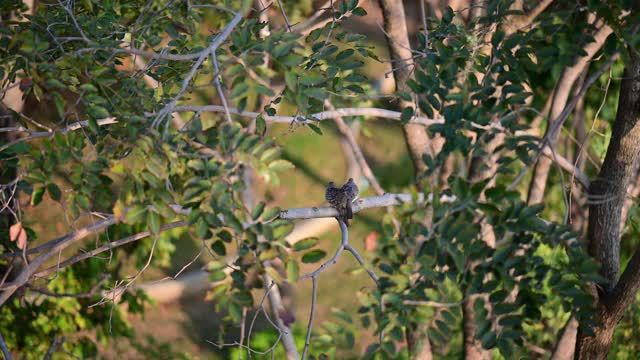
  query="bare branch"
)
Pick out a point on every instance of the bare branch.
point(57, 342)
point(358, 205)
point(566, 165)
point(61, 244)
point(106, 247)
point(375, 112)
point(5, 349)
point(217, 41)
point(34, 135)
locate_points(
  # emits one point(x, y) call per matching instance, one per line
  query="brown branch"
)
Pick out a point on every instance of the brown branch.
point(395, 28)
point(61, 244)
point(57, 342)
point(566, 345)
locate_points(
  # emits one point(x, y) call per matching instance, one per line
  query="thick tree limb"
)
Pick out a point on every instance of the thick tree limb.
point(607, 196)
point(395, 26)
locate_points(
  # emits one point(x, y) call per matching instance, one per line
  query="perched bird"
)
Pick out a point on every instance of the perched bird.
point(341, 199)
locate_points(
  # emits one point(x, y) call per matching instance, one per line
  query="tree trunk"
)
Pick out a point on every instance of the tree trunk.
point(418, 142)
point(395, 26)
point(607, 196)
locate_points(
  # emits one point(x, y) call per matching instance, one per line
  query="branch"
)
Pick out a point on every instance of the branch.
point(5, 349)
point(61, 244)
point(211, 49)
point(566, 165)
point(71, 127)
point(358, 205)
point(57, 342)
point(375, 112)
point(106, 247)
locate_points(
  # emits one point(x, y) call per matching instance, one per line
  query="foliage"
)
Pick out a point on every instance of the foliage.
point(75, 61)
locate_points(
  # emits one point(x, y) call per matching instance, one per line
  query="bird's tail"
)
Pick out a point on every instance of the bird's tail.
point(349, 212)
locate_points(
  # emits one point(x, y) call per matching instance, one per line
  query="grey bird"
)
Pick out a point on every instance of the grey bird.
point(341, 199)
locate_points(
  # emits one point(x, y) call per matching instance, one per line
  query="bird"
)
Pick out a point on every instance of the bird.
point(341, 199)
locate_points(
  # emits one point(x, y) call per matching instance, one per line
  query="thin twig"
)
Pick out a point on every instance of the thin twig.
point(314, 295)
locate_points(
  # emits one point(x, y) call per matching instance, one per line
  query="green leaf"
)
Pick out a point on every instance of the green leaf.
point(293, 271)
point(489, 340)
point(202, 228)
point(305, 244)
point(343, 55)
point(359, 11)
point(268, 254)
point(271, 214)
point(407, 114)
point(83, 201)
point(88, 88)
point(219, 248)
point(274, 274)
point(311, 78)
point(98, 112)
point(448, 15)
point(315, 128)
point(291, 79)
point(261, 125)
point(257, 210)
point(153, 220)
point(54, 191)
point(135, 214)
point(239, 89)
point(55, 83)
point(225, 236)
point(36, 195)
point(313, 256)
point(279, 165)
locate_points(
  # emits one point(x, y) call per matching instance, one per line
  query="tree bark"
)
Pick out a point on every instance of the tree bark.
point(395, 26)
point(417, 139)
point(607, 196)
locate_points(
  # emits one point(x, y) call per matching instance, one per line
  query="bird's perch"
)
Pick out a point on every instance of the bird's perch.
point(358, 205)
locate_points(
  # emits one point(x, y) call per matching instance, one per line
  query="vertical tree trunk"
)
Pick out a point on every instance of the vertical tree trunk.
point(395, 26)
point(607, 196)
point(418, 142)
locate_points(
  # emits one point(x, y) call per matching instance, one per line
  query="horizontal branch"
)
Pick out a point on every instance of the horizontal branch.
point(358, 205)
point(375, 112)
point(41, 134)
